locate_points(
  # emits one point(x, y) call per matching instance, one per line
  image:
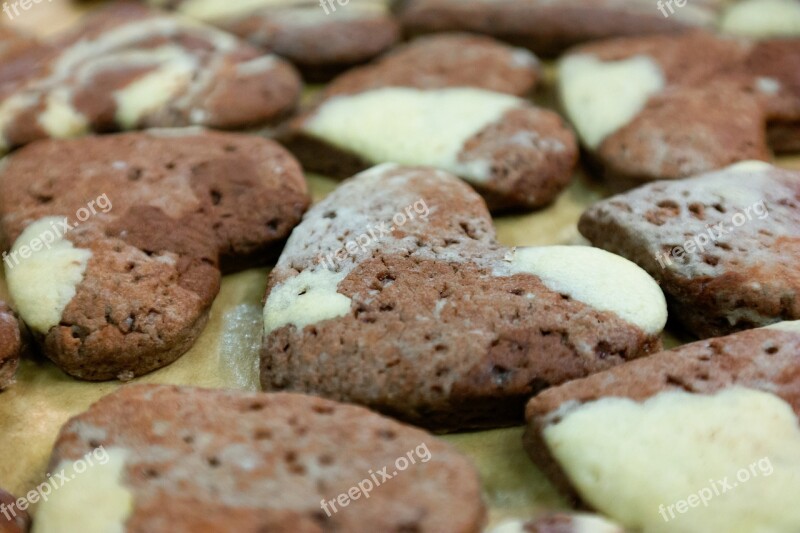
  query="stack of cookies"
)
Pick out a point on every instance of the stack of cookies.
point(576, 217)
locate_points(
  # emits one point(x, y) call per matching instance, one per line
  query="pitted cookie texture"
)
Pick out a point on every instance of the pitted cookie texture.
point(724, 246)
point(634, 440)
point(549, 27)
point(321, 39)
point(669, 107)
point(560, 523)
point(130, 68)
point(448, 60)
point(431, 320)
point(515, 154)
point(181, 459)
point(10, 346)
point(117, 242)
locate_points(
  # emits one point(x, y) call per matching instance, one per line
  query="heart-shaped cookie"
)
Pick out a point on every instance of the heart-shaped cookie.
point(393, 293)
point(701, 438)
point(117, 240)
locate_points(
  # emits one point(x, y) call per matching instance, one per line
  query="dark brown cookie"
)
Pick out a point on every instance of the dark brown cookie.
point(669, 107)
point(441, 61)
point(724, 246)
point(560, 523)
point(549, 27)
point(393, 293)
point(661, 443)
point(515, 154)
point(321, 38)
point(10, 345)
point(12, 519)
point(172, 459)
point(128, 67)
point(117, 240)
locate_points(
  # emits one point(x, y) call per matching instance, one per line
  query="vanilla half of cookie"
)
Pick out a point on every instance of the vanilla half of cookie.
point(43, 271)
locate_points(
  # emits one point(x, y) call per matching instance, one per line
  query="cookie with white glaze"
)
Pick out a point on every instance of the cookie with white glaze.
point(320, 38)
point(128, 67)
point(10, 345)
point(548, 27)
point(723, 246)
point(713, 425)
point(117, 242)
point(762, 18)
point(393, 293)
point(181, 460)
point(517, 155)
point(669, 107)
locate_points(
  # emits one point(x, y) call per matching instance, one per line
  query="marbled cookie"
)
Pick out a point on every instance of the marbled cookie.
point(321, 38)
point(393, 293)
point(448, 60)
point(128, 67)
point(188, 460)
point(118, 240)
point(12, 519)
point(548, 27)
point(724, 246)
point(560, 523)
point(515, 154)
point(10, 345)
point(669, 107)
point(701, 438)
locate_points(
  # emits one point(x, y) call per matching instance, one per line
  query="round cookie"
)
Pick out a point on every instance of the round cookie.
point(127, 67)
point(10, 345)
point(548, 27)
point(695, 423)
point(118, 240)
point(393, 293)
point(320, 38)
point(723, 246)
point(254, 462)
point(448, 60)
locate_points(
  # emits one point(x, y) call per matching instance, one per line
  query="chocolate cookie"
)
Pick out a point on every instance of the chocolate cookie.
point(515, 154)
point(669, 107)
point(442, 61)
point(10, 345)
point(180, 459)
point(701, 438)
point(549, 27)
point(560, 523)
point(12, 519)
point(321, 38)
point(128, 67)
point(724, 246)
point(393, 293)
point(117, 240)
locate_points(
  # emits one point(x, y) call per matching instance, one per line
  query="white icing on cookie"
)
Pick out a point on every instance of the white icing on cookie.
point(412, 126)
point(601, 97)
point(305, 299)
point(762, 18)
point(632, 461)
point(600, 279)
point(43, 271)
